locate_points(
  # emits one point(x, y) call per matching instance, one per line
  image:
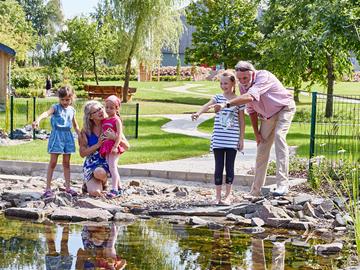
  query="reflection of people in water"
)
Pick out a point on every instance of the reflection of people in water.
point(258, 255)
point(53, 259)
point(221, 252)
point(99, 249)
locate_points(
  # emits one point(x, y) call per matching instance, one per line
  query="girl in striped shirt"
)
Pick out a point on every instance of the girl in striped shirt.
point(227, 137)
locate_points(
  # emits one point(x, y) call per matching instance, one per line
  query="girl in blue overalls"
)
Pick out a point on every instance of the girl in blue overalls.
point(61, 141)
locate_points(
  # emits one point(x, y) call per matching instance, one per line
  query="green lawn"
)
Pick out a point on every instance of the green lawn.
point(152, 145)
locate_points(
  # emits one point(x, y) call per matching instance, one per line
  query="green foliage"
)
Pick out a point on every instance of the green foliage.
point(15, 31)
point(86, 43)
point(310, 41)
point(226, 31)
point(45, 16)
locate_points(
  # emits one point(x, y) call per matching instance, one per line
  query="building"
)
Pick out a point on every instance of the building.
point(6, 56)
point(170, 58)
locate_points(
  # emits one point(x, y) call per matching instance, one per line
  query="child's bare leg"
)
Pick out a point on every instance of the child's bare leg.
point(228, 190)
point(218, 192)
point(66, 166)
point(50, 171)
point(64, 241)
point(112, 160)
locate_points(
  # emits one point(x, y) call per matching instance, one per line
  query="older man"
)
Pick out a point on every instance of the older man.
point(268, 100)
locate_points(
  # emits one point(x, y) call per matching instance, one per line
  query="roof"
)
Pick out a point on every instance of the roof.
point(7, 50)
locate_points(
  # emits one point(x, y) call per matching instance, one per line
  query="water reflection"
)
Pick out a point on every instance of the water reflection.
point(153, 244)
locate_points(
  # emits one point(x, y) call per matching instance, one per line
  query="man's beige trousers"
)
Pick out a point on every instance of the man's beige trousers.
point(274, 129)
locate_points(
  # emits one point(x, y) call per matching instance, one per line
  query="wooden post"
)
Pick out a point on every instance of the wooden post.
point(158, 73)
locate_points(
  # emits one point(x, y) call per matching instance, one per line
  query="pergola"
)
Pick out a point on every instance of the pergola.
point(6, 56)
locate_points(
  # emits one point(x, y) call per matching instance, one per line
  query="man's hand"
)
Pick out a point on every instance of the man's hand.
point(218, 107)
point(35, 124)
point(195, 116)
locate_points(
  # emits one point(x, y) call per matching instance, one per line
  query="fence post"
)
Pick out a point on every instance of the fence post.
point(312, 128)
point(34, 116)
point(137, 121)
point(27, 112)
point(11, 116)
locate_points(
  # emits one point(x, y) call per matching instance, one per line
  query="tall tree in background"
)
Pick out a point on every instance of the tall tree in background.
point(316, 36)
point(144, 28)
point(15, 31)
point(226, 31)
point(86, 42)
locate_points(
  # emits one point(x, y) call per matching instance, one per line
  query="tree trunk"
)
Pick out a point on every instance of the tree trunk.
point(127, 79)
point(330, 85)
point(94, 68)
point(296, 94)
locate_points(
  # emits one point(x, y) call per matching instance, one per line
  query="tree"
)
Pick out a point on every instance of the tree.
point(86, 43)
point(226, 31)
point(44, 17)
point(15, 31)
point(144, 27)
point(319, 36)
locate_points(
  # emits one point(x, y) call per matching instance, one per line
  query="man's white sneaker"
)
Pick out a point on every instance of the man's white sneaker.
point(281, 190)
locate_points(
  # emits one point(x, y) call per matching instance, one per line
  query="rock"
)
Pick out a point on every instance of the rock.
point(81, 214)
point(22, 195)
point(145, 217)
point(317, 201)
point(299, 225)
point(181, 189)
point(181, 194)
point(215, 226)
point(339, 221)
point(134, 183)
point(197, 211)
point(327, 249)
point(92, 203)
point(278, 222)
point(196, 221)
point(300, 214)
point(329, 216)
point(299, 243)
point(294, 207)
point(340, 202)
point(28, 213)
point(4, 205)
point(239, 220)
point(309, 210)
point(124, 217)
point(340, 229)
point(327, 205)
point(253, 230)
point(257, 222)
point(33, 204)
point(267, 211)
point(301, 199)
point(244, 209)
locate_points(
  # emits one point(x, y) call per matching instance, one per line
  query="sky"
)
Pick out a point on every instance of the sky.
point(73, 8)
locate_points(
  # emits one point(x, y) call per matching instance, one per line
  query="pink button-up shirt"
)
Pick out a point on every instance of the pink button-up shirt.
point(270, 96)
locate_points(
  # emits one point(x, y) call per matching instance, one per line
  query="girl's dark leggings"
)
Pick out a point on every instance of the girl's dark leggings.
point(228, 155)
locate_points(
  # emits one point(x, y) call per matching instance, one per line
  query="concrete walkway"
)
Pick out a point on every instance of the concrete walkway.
point(182, 124)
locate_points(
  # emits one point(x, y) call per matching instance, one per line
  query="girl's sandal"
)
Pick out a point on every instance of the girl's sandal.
point(72, 192)
point(48, 194)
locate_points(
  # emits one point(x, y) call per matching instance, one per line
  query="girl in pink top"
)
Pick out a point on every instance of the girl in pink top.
point(111, 149)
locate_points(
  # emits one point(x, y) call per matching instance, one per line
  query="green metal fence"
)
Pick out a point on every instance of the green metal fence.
point(23, 111)
point(336, 137)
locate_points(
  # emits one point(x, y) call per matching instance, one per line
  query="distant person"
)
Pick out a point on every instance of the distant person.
point(227, 137)
point(61, 141)
point(48, 85)
point(112, 149)
point(99, 249)
point(268, 100)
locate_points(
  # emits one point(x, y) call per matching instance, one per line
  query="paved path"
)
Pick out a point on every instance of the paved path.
point(182, 124)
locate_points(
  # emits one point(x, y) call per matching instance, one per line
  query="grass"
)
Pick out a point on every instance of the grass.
point(152, 145)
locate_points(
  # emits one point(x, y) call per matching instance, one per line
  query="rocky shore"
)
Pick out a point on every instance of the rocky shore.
point(181, 203)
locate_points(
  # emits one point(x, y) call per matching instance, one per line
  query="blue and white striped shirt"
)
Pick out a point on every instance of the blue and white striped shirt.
point(226, 131)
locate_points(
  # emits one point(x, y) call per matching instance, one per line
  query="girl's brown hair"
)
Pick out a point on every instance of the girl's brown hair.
point(66, 91)
point(231, 76)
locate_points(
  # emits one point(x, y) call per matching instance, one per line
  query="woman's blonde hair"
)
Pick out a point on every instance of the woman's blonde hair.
point(232, 78)
point(87, 122)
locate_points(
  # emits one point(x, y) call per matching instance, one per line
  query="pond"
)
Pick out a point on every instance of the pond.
point(154, 244)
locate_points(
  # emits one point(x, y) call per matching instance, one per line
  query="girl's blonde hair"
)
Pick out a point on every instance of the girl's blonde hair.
point(232, 78)
point(87, 122)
